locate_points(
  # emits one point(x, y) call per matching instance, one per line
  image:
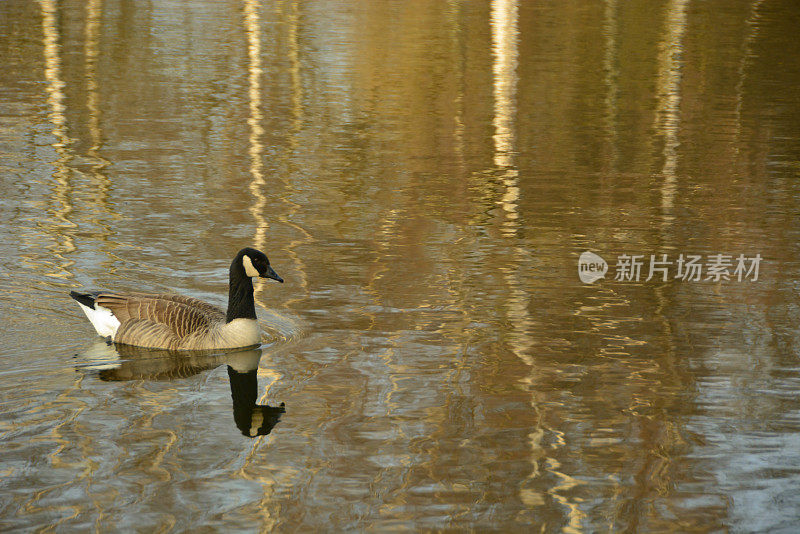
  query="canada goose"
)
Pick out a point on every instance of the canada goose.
point(175, 322)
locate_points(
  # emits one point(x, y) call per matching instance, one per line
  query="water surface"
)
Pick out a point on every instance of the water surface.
point(424, 175)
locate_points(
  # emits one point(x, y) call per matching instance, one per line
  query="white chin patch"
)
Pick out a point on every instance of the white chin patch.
point(249, 270)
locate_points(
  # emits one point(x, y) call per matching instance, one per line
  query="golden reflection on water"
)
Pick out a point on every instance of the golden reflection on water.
point(456, 38)
point(422, 175)
point(668, 93)
point(296, 86)
point(505, 39)
point(293, 23)
point(60, 232)
point(254, 120)
point(668, 126)
point(99, 193)
point(611, 79)
point(252, 25)
point(259, 180)
point(252, 466)
point(92, 52)
point(752, 25)
point(69, 194)
point(504, 47)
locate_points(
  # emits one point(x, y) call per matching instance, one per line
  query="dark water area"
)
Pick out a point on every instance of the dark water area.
point(425, 176)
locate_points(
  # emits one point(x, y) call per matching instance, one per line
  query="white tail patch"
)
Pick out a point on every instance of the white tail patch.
point(102, 319)
point(249, 270)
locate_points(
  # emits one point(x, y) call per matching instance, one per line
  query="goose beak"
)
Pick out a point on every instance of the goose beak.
point(270, 273)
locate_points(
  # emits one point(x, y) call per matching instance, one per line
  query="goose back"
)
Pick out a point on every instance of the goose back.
point(184, 314)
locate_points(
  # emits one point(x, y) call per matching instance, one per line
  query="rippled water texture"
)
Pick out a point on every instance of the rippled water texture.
point(425, 176)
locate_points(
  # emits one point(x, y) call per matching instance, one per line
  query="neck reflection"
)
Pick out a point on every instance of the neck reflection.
point(126, 363)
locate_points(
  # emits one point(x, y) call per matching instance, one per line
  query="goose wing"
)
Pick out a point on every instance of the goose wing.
point(147, 334)
point(159, 314)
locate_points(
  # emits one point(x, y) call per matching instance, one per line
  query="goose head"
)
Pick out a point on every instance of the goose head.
point(255, 264)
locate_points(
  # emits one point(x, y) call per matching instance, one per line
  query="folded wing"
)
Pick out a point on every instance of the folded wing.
point(159, 321)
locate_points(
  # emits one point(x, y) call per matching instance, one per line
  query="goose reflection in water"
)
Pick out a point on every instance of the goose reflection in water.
point(125, 362)
point(251, 418)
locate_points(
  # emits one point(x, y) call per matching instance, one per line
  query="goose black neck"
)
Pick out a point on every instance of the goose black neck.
point(240, 295)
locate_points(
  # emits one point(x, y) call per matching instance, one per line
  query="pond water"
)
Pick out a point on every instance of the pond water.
point(425, 176)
